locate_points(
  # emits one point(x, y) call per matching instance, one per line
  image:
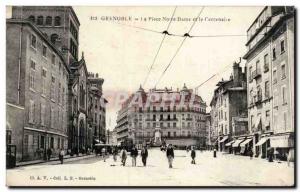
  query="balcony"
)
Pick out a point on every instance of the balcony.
point(266, 68)
point(256, 74)
point(189, 119)
point(258, 99)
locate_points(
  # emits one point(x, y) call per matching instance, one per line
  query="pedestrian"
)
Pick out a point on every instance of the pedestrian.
point(144, 154)
point(193, 155)
point(170, 155)
point(123, 156)
point(115, 153)
point(276, 153)
point(61, 155)
point(251, 153)
point(134, 154)
point(215, 152)
point(271, 155)
point(49, 153)
point(290, 156)
point(103, 152)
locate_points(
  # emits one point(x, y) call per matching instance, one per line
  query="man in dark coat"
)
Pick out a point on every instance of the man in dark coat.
point(49, 153)
point(134, 154)
point(144, 154)
point(193, 155)
point(170, 155)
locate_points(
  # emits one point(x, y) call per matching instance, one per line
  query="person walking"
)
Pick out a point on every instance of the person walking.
point(103, 152)
point(49, 153)
point(144, 154)
point(271, 154)
point(61, 155)
point(134, 154)
point(123, 156)
point(170, 155)
point(215, 153)
point(115, 153)
point(251, 153)
point(290, 156)
point(193, 155)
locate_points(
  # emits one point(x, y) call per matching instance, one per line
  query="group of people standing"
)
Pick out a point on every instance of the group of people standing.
point(133, 153)
point(144, 155)
point(61, 154)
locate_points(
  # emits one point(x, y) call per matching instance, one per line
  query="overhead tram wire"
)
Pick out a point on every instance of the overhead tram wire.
point(165, 34)
point(218, 73)
point(142, 28)
point(185, 36)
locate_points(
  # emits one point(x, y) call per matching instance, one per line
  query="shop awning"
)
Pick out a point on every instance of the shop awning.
point(244, 143)
point(282, 141)
point(262, 141)
point(237, 142)
point(229, 143)
point(223, 139)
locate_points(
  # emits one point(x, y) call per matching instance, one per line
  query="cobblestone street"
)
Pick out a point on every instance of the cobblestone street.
point(225, 170)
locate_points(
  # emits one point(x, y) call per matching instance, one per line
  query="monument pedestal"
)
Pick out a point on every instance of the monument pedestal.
point(157, 137)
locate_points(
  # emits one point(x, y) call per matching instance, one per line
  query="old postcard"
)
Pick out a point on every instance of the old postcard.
point(150, 96)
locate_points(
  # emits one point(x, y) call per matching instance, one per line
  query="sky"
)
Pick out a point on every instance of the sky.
point(122, 55)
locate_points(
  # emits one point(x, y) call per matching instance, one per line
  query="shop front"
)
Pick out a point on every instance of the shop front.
point(263, 144)
point(236, 145)
point(282, 144)
point(246, 146)
point(228, 145)
point(222, 142)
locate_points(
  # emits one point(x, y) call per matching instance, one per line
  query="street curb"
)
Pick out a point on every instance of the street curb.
point(56, 159)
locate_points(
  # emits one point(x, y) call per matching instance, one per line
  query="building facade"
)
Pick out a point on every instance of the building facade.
point(162, 116)
point(37, 98)
point(270, 82)
point(49, 98)
point(229, 100)
point(96, 108)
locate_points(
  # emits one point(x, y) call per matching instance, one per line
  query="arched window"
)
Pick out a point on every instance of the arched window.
point(40, 20)
point(82, 95)
point(48, 20)
point(57, 21)
point(53, 38)
point(31, 18)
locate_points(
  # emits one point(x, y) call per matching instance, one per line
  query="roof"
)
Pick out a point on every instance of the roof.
point(78, 64)
point(257, 17)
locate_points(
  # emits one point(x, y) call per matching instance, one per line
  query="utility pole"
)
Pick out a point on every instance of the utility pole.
point(107, 136)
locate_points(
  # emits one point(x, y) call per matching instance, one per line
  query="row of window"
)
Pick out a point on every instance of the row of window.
point(222, 115)
point(168, 125)
point(53, 57)
point(223, 129)
point(168, 109)
point(57, 118)
point(252, 73)
point(47, 21)
point(61, 91)
point(254, 97)
point(166, 134)
point(41, 142)
point(168, 117)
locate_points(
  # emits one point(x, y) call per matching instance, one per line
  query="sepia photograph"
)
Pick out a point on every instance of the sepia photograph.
point(150, 96)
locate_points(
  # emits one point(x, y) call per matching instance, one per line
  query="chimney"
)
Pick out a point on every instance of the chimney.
point(96, 75)
point(236, 73)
